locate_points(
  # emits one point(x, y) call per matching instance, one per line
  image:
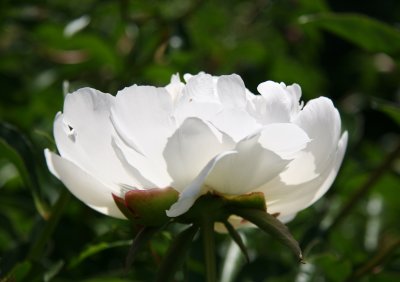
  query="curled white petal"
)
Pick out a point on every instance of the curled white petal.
point(83, 185)
point(194, 189)
point(290, 199)
point(83, 134)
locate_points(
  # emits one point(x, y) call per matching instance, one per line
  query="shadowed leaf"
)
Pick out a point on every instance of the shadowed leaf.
point(18, 150)
point(361, 30)
point(272, 226)
point(176, 254)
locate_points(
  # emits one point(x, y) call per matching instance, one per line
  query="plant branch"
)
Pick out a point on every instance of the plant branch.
point(364, 189)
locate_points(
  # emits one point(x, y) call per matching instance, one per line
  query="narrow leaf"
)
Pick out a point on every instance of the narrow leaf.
point(271, 225)
point(142, 237)
point(361, 30)
point(238, 240)
point(96, 248)
point(18, 150)
point(176, 254)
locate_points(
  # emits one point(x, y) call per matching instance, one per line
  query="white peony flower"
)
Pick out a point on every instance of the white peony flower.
point(209, 134)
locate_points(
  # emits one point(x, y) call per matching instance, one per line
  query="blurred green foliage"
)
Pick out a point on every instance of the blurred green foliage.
point(346, 50)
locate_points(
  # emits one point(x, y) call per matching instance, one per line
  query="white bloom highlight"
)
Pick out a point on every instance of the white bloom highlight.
point(209, 134)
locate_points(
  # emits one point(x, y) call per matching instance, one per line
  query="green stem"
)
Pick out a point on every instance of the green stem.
point(37, 247)
point(207, 229)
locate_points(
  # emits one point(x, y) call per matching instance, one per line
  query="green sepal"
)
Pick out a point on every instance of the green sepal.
point(218, 206)
point(147, 207)
point(269, 224)
point(254, 200)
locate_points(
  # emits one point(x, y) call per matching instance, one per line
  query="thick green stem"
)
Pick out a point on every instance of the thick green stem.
point(207, 231)
point(37, 247)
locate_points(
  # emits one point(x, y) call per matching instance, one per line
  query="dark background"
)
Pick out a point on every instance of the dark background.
point(348, 51)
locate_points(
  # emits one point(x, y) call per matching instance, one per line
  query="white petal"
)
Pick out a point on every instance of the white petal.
point(142, 116)
point(249, 167)
point(175, 87)
point(285, 139)
point(83, 185)
point(237, 123)
point(194, 189)
point(289, 199)
point(200, 88)
point(231, 91)
point(138, 168)
point(190, 148)
point(83, 135)
point(273, 106)
point(321, 121)
point(153, 173)
point(203, 110)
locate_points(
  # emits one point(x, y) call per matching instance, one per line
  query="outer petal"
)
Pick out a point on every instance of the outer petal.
point(83, 185)
point(83, 135)
point(290, 199)
point(321, 121)
point(190, 148)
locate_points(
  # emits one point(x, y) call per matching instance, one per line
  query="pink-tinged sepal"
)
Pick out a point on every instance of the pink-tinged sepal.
point(147, 207)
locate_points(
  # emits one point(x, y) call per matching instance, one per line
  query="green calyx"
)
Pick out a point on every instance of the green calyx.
point(218, 208)
point(147, 207)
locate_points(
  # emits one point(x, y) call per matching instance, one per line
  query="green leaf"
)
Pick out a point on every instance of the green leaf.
point(19, 272)
point(176, 254)
point(271, 225)
point(18, 150)
point(238, 240)
point(53, 270)
point(97, 248)
point(361, 30)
